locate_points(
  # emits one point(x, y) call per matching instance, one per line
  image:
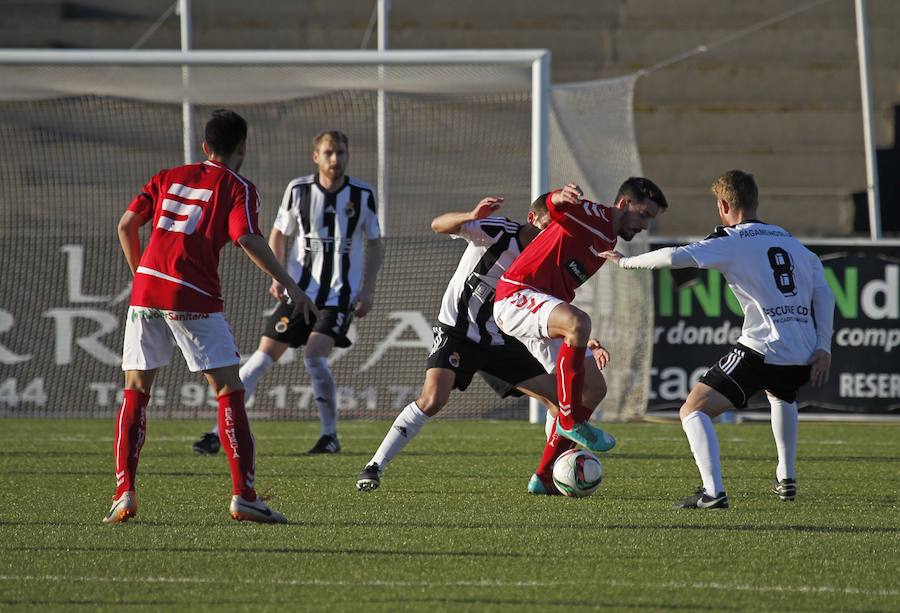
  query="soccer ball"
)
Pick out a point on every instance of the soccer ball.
point(577, 473)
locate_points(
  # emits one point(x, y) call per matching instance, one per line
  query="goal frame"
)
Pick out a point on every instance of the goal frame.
point(538, 60)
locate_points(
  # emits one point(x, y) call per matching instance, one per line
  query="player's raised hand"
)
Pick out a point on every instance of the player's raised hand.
point(821, 364)
point(612, 256)
point(571, 193)
point(303, 304)
point(277, 290)
point(600, 353)
point(487, 207)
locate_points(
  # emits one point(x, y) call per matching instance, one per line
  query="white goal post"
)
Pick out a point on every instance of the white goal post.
point(535, 60)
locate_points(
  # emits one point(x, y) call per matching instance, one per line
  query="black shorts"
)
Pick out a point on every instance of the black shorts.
point(741, 373)
point(334, 322)
point(511, 363)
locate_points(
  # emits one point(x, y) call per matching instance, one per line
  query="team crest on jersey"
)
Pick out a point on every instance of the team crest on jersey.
point(454, 359)
point(282, 325)
point(350, 209)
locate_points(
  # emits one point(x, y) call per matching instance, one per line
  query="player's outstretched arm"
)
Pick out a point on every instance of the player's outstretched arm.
point(450, 223)
point(374, 258)
point(259, 253)
point(667, 257)
point(129, 238)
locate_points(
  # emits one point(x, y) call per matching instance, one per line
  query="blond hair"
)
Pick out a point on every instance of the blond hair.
point(335, 136)
point(738, 189)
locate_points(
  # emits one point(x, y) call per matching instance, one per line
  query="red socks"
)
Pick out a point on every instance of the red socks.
point(569, 385)
point(555, 447)
point(131, 428)
point(238, 444)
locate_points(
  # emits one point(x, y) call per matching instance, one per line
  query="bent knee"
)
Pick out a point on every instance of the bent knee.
point(431, 404)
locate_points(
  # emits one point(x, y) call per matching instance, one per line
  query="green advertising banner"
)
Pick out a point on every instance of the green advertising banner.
point(697, 319)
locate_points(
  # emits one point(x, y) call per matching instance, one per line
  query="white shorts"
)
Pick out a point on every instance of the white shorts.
point(205, 339)
point(524, 315)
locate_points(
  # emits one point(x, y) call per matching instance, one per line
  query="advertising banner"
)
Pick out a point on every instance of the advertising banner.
point(697, 319)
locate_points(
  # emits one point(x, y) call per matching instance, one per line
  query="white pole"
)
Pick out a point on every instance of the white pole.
point(187, 116)
point(540, 162)
point(384, 7)
point(862, 44)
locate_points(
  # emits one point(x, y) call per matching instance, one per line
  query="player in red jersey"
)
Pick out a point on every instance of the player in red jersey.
point(533, 299)
point(175, 299)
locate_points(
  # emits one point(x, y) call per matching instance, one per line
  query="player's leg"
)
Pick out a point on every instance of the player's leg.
point(329, 330)
point(573, 326)
point(147, 346)
point(702, 405)
point(239, 446)
point(208, 346)
point(534, 319)
point(258, 364)
point(436, 390)
point(782, 396)
point(131, 431)
point(318, 348)
point(784, 429)
point(280, 333)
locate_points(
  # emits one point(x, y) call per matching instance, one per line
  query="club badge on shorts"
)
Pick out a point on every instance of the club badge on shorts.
point(282, 325)
point(454, 359)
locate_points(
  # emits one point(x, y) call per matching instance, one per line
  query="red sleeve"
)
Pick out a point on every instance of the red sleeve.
point(143, 202)
point(555, 212)
point(244, 214)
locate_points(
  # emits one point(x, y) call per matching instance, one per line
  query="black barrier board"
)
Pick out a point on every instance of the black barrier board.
point(697, 318)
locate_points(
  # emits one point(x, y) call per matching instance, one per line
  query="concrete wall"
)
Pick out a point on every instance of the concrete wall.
point(782, 103)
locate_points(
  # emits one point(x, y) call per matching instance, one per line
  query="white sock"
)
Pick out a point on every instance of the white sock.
point(548, 424)
point(407, 425)
point(250, 373)
point(705, 446)
point(325, 393)
point(784, 427)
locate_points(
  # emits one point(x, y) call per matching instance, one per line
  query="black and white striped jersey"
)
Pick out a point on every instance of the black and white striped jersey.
point(468, 304)
point(780, 284)
point(330, 229)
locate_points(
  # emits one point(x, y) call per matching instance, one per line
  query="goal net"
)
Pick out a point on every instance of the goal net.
point(81, 139)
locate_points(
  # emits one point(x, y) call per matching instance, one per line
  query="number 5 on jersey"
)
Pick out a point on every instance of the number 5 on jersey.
point(188, 215)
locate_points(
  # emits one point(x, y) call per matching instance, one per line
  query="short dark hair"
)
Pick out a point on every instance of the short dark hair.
point(225, 131)
point(539, 206)
point(642, 190)
point(738, 188)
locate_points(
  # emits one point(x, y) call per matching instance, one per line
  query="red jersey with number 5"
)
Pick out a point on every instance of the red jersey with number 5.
point(565, 254)
point(195, 210)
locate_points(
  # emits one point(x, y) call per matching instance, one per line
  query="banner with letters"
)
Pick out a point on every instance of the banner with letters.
point(697, 318)
point(62, 320)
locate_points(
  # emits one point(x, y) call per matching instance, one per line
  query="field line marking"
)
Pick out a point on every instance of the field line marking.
point(805, 589)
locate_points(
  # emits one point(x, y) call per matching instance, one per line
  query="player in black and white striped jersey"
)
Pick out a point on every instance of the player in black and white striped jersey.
point(467, 339)
point(786, 337)
point(335, 257)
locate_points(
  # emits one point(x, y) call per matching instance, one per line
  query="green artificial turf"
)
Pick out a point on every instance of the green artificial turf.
point(451, 527)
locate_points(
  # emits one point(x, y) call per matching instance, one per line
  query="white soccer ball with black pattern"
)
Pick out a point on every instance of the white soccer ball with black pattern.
point(577, 473)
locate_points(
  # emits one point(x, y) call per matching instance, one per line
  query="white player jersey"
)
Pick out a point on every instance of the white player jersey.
point(328, 253)
point(774, 277)
point(468, 303)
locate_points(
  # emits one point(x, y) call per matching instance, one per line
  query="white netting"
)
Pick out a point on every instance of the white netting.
point(80, 141)
point(592, 137)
